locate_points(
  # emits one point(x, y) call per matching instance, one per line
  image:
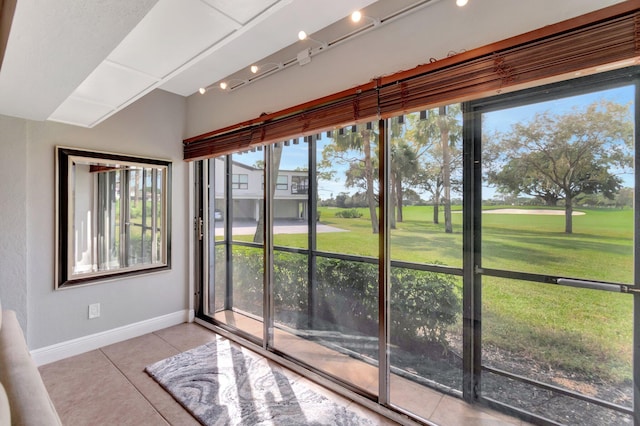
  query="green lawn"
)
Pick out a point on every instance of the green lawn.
point(570, 329)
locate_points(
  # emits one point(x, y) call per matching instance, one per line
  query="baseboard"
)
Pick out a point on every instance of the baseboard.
point(84, 344)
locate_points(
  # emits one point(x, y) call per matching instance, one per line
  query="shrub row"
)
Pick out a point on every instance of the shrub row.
point(424, 305)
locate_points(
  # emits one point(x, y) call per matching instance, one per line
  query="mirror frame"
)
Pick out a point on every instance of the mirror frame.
point(64, 217)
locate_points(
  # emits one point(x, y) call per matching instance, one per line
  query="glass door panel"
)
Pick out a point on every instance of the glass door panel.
point(425, 193)
point(291, 289)
point(236, 245)
point(326, 281)
point(217, 238)
point(557, 242)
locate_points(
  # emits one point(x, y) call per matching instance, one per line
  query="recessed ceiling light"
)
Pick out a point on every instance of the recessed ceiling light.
point(461, 2)
point(254, 69)
point(302, 35)
point(356, 16)
point(223, 85)
point(202, 90)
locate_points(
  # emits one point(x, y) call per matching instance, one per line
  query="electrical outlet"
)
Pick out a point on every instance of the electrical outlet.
point(94, 310)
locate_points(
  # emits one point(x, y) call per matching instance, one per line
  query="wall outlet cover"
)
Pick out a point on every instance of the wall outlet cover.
point(94, 310)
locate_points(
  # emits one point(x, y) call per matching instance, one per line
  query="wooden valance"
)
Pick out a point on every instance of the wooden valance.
point(599, 38)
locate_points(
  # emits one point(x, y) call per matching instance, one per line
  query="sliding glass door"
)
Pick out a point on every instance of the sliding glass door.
point(236, 243)
point(557, 251)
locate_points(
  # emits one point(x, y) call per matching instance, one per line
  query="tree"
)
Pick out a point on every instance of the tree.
point(437, 138)
point(404, 165)
point(624, 198)
point(258, 237)
point(564, 156)
point(354, 147)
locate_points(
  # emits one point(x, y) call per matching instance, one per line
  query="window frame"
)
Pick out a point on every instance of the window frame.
point(237, 181)
point(103, 162)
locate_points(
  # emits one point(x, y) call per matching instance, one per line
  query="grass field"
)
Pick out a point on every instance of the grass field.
point(574, 330)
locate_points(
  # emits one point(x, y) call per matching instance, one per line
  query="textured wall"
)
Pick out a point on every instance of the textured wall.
point(13, 216)
point(151, 127)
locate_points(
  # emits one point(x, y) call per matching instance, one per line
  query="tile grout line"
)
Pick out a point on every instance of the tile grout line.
point(134, 386)
point(169, 343)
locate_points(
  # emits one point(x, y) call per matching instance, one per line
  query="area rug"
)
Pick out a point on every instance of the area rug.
point(221, 383)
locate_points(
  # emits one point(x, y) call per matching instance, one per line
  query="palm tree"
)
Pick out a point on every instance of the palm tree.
point(436, 137)
point(359, 140)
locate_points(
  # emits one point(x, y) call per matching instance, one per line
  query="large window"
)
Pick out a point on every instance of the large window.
point(485, 250)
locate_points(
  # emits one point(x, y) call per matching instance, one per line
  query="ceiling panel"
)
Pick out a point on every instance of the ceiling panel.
point(80, 112)
point(242, 11)
point(172, 34)
point(264, 38)
point(55, 45)
point(113, 84)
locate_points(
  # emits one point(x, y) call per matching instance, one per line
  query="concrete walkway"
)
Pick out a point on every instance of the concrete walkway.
point(279, 227)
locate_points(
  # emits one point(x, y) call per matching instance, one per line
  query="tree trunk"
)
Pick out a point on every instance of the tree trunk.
point(368, 167)
point(446, 168)
point(436, 208)
point(399, 196)
point(568, 215)
point(275, 169)
point(393, 202)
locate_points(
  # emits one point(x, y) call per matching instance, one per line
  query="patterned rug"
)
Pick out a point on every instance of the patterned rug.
point(221, 383)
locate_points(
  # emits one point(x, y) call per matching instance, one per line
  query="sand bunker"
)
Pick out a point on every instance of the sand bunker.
point(531, 211)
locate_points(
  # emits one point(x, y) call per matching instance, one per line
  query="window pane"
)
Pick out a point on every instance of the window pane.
point(558, 187)
point(291, 291)
point(426, 186)
point(238, 301)
point(291, 208)
point(425, 333)
point(282, 183)
point(576, 339)
point(248, 197)
point(348, 191)
point(330, 321)
point(339, 334)
point(218, 291)
point(247, 280)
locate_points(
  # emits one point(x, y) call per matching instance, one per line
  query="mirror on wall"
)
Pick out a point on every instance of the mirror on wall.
point(113, 216)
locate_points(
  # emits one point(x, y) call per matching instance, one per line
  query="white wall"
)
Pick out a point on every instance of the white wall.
point(432, 32)
point(154, 127)
point(13, 216)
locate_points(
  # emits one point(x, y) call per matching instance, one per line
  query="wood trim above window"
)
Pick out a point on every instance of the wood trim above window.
point(597, 39)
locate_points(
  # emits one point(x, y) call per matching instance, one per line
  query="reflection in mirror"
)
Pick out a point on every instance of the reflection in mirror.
point(113, 216)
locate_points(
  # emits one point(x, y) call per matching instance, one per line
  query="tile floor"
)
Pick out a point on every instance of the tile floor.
point(422, 401)
point(108, 386)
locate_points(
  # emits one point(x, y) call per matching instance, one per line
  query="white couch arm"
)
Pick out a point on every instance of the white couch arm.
point(28, 397)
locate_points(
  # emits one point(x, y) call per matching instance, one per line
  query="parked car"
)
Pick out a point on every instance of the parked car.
point(217, 214)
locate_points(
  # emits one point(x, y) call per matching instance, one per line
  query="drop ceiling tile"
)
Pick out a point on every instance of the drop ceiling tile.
point(172, 34)
point(261, 39)
point(80, 112)
point(242, 10)
point(113, 85)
